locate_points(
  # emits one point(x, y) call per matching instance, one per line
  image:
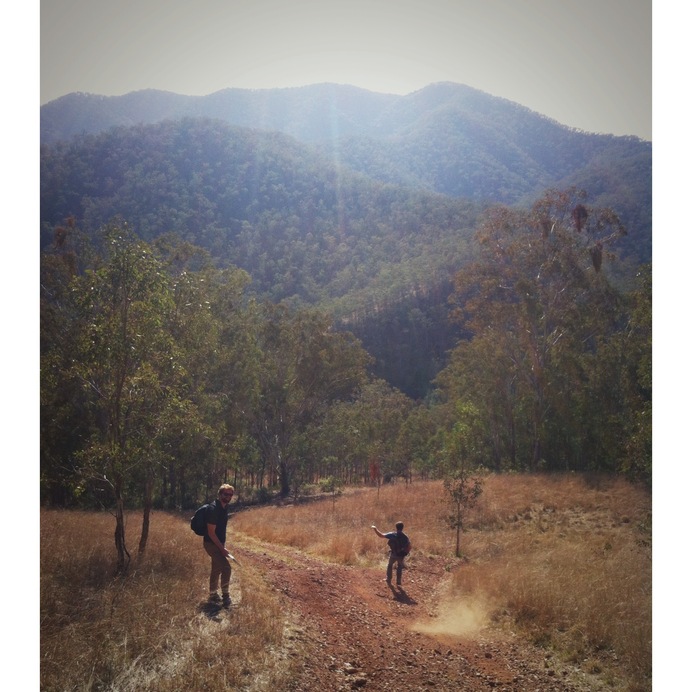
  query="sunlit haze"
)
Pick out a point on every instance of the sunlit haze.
point(585, 63)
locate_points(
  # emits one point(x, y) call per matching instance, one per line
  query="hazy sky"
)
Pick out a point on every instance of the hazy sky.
point(585, 63)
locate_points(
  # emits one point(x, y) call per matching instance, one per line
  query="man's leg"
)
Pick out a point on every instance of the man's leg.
point(399, 570)
point(390, 564)
point(216, 567)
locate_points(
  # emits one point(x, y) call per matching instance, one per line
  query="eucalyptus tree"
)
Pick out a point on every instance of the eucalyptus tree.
point(305, 366)
point(538, 304)
point(64, 416)
point(631, 351)
point(212, 329)
point(63, 401)
point(235, 376)
point(359, 440)
point(415, 441)
point(637, 457)
point(382, 411)
point(124, 362)
point(336, 446)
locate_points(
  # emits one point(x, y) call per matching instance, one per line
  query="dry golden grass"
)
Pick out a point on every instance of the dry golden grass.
point(564, 559)
point(572, 566)
point(341, 531)
point(144, 631)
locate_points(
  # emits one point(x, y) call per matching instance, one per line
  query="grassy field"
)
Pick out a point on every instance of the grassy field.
point(140, 632)
point(565, 561)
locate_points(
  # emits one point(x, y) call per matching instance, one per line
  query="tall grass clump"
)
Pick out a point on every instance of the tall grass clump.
point(570, 563)
point(145, 630)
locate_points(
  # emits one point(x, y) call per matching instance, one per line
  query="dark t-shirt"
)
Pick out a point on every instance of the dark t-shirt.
point(217, 514)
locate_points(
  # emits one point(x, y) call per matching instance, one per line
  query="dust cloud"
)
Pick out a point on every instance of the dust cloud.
point(455, 618)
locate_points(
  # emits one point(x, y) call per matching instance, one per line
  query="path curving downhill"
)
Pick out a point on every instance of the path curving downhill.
point(350, 630)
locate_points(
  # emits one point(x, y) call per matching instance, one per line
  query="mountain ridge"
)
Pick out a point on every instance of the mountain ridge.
point(235, 105)
point(446, 138)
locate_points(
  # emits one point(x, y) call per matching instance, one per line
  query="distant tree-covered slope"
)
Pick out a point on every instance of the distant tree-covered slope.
point(303, 228)
point(446, 138)
point(311, 113)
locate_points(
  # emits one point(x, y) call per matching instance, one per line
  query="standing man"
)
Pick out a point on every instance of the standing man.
point(399, 548)
point(215, 545)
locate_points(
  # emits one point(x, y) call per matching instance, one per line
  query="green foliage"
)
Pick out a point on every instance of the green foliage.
point(159, 381)
point(304, 367)
point(333, 486)
point(361, 436)
point(636, 437)
point(462, 491)
point(546, 364)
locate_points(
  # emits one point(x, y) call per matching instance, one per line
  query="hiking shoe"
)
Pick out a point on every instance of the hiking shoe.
point(214, 598)
point(226, 601)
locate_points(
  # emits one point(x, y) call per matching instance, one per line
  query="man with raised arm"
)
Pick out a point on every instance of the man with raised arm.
point(399, 548)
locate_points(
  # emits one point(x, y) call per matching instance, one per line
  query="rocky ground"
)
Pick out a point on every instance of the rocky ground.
point(348, 629)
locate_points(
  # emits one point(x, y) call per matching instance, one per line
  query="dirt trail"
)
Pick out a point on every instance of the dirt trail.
point(351, 630)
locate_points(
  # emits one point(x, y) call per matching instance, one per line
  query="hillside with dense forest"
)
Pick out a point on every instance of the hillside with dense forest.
point(304, 230)
point(363, 205)
point(446, 138)
point(419, 292)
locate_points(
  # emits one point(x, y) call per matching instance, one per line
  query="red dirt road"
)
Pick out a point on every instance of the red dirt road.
point(351, 630)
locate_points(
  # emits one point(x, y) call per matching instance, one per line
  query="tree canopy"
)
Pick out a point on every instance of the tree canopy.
point(547, 364)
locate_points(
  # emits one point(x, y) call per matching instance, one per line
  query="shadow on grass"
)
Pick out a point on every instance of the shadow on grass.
point(213, 611)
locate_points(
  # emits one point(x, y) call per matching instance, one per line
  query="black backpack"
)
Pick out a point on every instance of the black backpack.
point(400, 545)
point(198, 522)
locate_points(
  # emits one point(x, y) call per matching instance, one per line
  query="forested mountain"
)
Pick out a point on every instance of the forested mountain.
point(202, 282)
point(355, 221)
point(304, 229)
point(447, 138)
